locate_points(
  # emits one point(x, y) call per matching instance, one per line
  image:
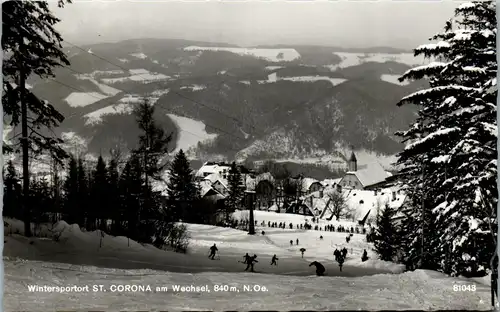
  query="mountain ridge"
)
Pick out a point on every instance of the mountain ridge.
point(239, 99)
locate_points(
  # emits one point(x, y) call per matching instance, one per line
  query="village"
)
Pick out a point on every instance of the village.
point(358, 196)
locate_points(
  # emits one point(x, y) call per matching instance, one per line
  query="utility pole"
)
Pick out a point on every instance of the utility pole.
point(250, 201)
point(24, 145)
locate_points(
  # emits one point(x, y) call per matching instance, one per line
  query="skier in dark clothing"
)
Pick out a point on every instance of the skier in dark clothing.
point(246, 258)
point(364, 257)
point(340, 260)
point(297, 241)
point(344, 252)
point(250, 263)
point(213, 250)
point(320, 269)
point(336, 253)
point(273, 260)
point(291, 242)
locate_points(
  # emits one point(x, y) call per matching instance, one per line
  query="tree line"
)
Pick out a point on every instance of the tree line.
point(131, 199)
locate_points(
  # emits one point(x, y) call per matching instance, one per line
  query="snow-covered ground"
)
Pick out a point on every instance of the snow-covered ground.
point(271, 55)
point(192, 132)
point(393, 79)
point(194, 87)
point(125, 106)
point(271, 78)
point(139, 55)
point(277, 241)
point(96, 116)
point(139, 75)
point(110, 91)
point(333, 81)
point(81, 99)
point(154, 290)
point(274, 67)
point(425, 290)
point(353, 59)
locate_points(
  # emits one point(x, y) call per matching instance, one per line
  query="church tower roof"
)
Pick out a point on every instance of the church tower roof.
point(353, 157)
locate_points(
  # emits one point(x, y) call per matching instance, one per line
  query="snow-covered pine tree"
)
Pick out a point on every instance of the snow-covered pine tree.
point(12, 192)
point(451, 156)
point(235, 197)
point(182, 190)
point(386, 240)
point(30, 46)
point(99, 191)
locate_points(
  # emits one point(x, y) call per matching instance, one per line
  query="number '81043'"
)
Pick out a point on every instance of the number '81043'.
point(457, 287)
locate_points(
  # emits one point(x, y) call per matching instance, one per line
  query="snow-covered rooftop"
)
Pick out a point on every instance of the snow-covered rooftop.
point(373, 173)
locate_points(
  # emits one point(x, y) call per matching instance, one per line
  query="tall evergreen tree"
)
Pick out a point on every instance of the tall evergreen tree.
point(450, 160)
point(99, 192)
point(71, 194)
point(153, 145)
point(235, 197)
point(386, 239)
point(12, 192)
point(87, 216)
point(31, 45)
point(182, 190)
point(56, 191)
point(41, 200)
point(130, 189)
point(114, 196)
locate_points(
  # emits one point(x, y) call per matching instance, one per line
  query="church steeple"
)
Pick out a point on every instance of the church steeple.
point(353, 162)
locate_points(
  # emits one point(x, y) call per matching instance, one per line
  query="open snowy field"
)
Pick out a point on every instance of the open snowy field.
point(231, 243)
point(277, 241)
point(192, 132)
point(422, 290)
point(271, 55)
point(353, 59)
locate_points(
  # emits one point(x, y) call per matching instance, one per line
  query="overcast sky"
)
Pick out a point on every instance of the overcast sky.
point(354, 23)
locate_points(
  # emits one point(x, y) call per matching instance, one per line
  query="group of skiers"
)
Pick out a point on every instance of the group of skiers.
point(296, 242)
point(251, 260)
point(339, 255)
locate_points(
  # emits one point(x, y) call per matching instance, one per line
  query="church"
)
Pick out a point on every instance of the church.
point(363, 179)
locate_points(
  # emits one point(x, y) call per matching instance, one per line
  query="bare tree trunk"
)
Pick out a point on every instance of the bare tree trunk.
point(24, 144)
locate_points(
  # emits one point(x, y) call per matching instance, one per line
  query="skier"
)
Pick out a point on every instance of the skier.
point(250, 263)
point(364, 257)
point(246, 258)
point(213, 250)
point(291, 242)
point(336, 253)
point(321, 237)
point(297, 241)
point(273, 260)
point(340, 260)
point(344, 252)
point(302, 250)
point(320, 269)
